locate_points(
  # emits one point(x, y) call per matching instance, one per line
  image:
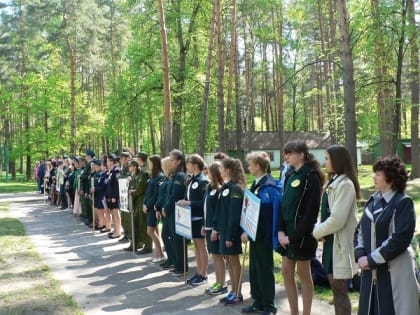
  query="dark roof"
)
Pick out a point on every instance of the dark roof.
point(269, 140)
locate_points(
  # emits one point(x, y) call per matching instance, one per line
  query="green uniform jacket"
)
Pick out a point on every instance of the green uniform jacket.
point(162, 193)
point(175, 192)
point(138, 183)
point(85, 178)
point(151, 196)
point(228, 211)
point(299, 211)
point(125, 172)
point(76, 180)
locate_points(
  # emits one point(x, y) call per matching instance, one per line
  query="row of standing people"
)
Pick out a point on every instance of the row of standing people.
point(378, 246)
point(287, 225)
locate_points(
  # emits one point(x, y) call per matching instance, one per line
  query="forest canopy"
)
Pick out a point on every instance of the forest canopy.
point(77, 74)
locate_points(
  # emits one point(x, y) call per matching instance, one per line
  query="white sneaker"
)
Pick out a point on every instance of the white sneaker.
point(158, 259)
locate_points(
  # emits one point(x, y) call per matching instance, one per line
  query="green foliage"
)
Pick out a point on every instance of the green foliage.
point(119, 92)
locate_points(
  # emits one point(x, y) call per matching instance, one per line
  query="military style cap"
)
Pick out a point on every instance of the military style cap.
point(97, 162)
point(90, 152)
point(125, 154)
point(112, 157)
point(76, 158)
point(134, 163)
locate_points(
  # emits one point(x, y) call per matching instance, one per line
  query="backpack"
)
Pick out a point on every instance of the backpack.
point(319, 275)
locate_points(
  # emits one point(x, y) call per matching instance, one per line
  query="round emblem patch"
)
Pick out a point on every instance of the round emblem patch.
point(194, 185)
point(225, 192)
point(295, 183)
point(213, 192)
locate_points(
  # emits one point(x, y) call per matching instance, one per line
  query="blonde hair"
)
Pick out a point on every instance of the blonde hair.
point(165, 166)
point(260, 158)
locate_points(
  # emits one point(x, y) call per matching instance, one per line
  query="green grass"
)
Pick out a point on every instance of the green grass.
point(20, 184)
point(26, 283)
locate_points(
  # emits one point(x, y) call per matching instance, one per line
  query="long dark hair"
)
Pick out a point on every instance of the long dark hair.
point(156, 165)
point(299, 146)
point(180, 157)
point(236, 170)
point(216, 181)
point(342, 163)
point(197, 160)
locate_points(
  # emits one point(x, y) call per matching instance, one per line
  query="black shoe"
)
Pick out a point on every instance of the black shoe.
point(178, 273)
point(123, 239)
point(116, 236)
point(128, 249)
point(144, 251)
point(166, 265)
point(251, 309)
point(172, 269)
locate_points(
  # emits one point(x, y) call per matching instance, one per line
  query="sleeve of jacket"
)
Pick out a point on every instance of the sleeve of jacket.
point(141, 185)
point(359, 246)
point(344, 202)
point(275, 195)
point(154, 185)
point(310, 209)
point(115, 190)
point(161, 195)
point(176, 193)
point(235, 209)
point(398, 242)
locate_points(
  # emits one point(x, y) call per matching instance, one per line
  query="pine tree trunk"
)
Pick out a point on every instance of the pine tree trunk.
point(232, 65)
point(386, 114)
point(348, 80)
point(220, 76)
point(204, 106)
point(415, 92)
point(166, 81)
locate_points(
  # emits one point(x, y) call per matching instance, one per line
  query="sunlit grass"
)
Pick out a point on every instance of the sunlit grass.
point(20, 184)
point(26, 283)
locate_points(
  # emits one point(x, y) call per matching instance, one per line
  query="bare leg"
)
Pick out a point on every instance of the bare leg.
point(197, 256)
point(117, 222)
point(305, 276)
point(288, 271)
point(100, 217)
point(234, 271)
point(69, 201)
point(219, 268)
point(152, 231)
point(202, 255)
point(107, 219)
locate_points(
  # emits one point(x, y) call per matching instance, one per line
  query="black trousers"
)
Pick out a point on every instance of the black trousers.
point(177, 243)
point(261, 275)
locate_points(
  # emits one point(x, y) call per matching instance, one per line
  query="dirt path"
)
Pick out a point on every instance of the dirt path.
point(103, 279)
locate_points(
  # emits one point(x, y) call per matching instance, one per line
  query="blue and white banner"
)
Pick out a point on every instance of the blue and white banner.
point(183, 221)
point(250, 214)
